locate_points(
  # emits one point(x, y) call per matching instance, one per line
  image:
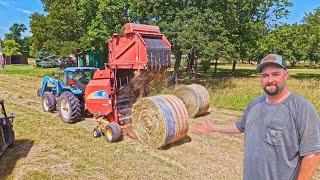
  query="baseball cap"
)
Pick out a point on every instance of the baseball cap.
point(271, 59)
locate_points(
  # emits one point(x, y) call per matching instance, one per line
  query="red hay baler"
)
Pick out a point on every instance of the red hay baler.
point(136, 57)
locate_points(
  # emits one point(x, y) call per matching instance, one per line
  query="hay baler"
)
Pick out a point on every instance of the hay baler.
point(135, 58)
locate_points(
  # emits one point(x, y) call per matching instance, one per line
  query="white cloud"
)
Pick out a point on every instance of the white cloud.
point(13, 5)
point(4, 3)
point(25, 11)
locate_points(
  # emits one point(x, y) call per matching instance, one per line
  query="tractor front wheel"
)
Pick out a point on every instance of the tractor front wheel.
point(48, 102)
point(113, 132)
point(69, 107)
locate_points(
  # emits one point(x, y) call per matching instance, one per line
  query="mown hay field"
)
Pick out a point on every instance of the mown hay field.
point(47, 148)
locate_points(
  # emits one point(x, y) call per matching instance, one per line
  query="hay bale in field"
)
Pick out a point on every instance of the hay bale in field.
point(195, 97)
point(160, 120)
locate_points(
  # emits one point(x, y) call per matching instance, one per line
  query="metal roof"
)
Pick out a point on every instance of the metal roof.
point(74, 69)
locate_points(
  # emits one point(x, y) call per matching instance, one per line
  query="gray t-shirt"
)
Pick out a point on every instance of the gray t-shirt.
point(277, 136)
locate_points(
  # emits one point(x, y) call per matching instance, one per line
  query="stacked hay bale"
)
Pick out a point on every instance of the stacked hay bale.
point(160, 120)
point(195, 97)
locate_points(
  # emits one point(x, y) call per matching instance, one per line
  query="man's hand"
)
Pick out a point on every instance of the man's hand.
point(206, 127)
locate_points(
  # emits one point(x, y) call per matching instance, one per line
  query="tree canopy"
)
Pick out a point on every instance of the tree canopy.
point(11, 47)
point(295, 42)
point(206, 31)
point(15, 34)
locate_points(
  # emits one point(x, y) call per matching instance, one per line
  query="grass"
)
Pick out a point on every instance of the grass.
point(236, 92)
point(228, 92)
point(47, 148)
point(27, 70)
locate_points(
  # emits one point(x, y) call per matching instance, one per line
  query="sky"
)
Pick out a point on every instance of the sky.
point(18, 11)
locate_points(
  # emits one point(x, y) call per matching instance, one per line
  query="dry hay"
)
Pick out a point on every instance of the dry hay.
point(195, 97)
point(160, 120)
point(140, 84)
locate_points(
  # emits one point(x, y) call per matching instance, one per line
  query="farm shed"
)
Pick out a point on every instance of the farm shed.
point(17, 59)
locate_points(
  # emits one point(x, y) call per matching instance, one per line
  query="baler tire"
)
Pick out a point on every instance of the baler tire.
point(96, 133)
point(113, 132)
point(48, 102)
point(69, 107)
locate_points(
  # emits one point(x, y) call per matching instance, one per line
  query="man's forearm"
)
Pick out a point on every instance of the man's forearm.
point(229, 128)
point(308, 166)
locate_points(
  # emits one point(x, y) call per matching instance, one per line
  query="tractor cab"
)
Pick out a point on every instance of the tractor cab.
point(78, 76)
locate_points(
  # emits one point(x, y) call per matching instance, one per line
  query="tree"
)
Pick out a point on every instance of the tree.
point(237, 25)
point(312, 26)
point(78, 25)
point(10, 48)
point(40, 32)
point(291, 41)
point(247, 22)
point(15, 32)
point(192, 27)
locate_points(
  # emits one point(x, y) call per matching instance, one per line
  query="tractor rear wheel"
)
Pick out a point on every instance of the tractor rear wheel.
point(113, 132)
point(69, 107)
point(48, 102)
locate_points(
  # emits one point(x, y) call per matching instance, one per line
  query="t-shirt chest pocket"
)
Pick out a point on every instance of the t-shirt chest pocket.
point(274, 136)
point(275, 132)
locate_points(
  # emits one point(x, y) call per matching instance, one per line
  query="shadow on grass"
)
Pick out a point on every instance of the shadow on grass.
point(306, 76)
point(11, 156)
point(220, 80)
point(186, 139)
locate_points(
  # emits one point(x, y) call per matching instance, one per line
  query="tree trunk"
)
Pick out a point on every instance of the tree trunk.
point(215, 66)
point(174, 79)
point(191, 66)
point(233, 71)
point(195, 65)
point(84, 60)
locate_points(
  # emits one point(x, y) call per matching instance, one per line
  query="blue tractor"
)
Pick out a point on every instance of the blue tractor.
point(68, 96)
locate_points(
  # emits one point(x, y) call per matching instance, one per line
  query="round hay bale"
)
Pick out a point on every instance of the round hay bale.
point(160, 120)
point(195, 97)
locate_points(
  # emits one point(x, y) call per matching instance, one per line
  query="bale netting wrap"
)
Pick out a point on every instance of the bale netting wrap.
point(160, 120)
point(195, 97)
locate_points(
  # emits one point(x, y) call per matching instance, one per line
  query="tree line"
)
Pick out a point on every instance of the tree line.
point(205, 31)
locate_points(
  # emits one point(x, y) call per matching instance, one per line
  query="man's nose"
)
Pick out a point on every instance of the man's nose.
point(270, 78)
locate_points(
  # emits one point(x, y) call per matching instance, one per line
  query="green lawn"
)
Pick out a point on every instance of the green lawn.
point(237, 92)
point(27, 70)
point(226, 91)
point(47, 148)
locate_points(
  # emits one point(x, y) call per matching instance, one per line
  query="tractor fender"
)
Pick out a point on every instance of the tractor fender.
point(73, 91)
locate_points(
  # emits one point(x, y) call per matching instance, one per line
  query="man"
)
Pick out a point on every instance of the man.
point(282, 129)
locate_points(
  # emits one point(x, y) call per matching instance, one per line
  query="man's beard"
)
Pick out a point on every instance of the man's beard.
point(272, 91)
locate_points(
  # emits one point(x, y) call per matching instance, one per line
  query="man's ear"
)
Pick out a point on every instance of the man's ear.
point(286, 74)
